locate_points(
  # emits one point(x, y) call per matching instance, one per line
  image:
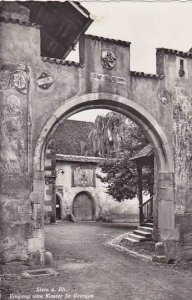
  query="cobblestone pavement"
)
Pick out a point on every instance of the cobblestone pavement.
point(90, 270)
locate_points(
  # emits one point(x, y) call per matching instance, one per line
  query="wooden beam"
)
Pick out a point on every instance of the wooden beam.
point(140, 191)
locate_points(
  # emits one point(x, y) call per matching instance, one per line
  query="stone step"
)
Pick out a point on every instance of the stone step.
point(146, 234)
point(130, 240)
point(136, 237)
point(148, 229)
point(148, 225)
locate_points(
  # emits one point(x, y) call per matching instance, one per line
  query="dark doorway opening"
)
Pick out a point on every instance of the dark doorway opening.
point(58, 208)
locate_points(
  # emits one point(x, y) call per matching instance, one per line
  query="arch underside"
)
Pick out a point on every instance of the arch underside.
point(112, 102)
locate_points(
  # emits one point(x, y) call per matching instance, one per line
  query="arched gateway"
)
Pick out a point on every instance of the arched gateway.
point(54, 89)
point(164, 219)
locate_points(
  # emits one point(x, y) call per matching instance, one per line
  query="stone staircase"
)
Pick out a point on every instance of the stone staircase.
point(142, 233)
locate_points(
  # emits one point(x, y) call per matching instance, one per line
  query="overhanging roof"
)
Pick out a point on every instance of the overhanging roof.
point(147, 151)
point(62, 23)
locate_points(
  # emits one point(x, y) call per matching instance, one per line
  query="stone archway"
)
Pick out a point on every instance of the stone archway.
point(116, 103)
point(164, 198)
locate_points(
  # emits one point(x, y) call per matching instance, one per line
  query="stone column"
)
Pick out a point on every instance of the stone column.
point(168, 235)
point(36, 248)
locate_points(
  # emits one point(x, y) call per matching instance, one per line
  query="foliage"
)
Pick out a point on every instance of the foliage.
point(120, 178)
point(118, 172)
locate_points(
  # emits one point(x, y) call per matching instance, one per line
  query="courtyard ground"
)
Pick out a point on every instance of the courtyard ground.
point(88, 269)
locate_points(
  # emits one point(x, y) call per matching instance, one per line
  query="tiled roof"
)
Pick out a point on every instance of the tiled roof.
point(75, 158)
point(112, 41)
point(145, 152)
point(17, 21)
point(176, 52)
point(70, 135)
point(63, 62)
point(142, 74)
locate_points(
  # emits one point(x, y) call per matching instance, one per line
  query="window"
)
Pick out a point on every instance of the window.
point(181, 68)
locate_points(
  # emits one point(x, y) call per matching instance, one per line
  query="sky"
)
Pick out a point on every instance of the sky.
point(147, 25)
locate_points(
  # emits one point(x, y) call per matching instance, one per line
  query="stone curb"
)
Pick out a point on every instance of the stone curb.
point(114, 244)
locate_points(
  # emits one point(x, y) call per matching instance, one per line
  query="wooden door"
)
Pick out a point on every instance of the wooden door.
point(83, 207)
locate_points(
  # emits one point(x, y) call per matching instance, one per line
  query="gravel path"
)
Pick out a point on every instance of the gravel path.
point(90, 270)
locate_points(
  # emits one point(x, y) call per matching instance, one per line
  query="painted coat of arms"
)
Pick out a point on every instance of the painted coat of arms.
point(164, 95)
point(108, 59)
point(45, 81)
point(14, 76)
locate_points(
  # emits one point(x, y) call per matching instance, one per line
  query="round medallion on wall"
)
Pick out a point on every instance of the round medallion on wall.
point(108, 59)
point(44, 81)
point(13, 104)
point(164, 95)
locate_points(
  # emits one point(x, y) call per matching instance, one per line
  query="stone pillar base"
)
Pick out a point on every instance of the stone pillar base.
point(41, 258)
point(46, 258)
point(165, 252)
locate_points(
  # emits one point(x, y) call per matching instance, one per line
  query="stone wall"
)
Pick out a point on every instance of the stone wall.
point(178, 83)
point(182, 108)
point(15, 207)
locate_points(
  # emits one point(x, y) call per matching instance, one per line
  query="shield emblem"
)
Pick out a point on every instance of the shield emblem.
point(164, 96)
point(108, 59)
point(44, 81)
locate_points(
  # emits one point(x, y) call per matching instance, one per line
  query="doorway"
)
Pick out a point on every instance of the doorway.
point(58, 208)
point(83, 209)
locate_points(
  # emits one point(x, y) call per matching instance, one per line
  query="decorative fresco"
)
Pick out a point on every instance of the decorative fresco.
point(182, 118)
point(83, 176)
point(13, 119)
point(164, 96)
point(14, 76)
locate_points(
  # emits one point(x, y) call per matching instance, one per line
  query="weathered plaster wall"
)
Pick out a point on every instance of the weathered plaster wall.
point(19, 51)
point(15, 182)
point(183, 166)
point(105, 205)
point(181, 105)
point(147, 92)
point(20, 43)
point(90, 57)
point(182, 109)
point(69, 80)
